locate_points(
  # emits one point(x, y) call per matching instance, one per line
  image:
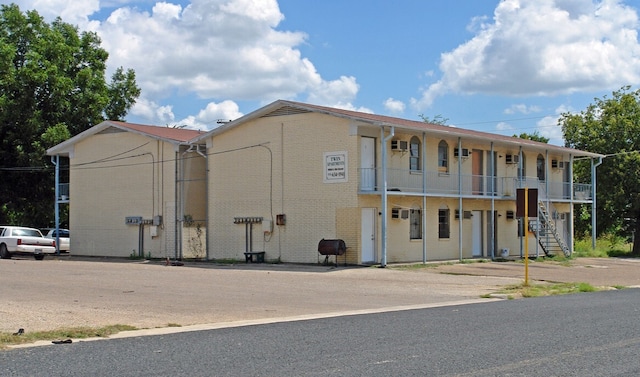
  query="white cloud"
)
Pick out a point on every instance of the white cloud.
point(215, 112)
point(544, 47)
point(338, 93)
point(215, 49)
point(395, 106)
point(152, 111)
point(167, 11)
point(73, 12)
point(548, 126)
point(503, 126)
point(206, 118)
point(521, 108)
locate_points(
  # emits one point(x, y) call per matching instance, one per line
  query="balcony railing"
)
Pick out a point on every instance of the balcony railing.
point(405, 180)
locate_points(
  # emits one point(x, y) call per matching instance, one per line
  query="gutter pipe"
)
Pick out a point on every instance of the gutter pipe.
point(383, 142)
point(593, 204)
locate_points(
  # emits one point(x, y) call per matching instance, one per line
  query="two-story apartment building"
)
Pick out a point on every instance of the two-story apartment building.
point(288, 175)
point(395, 190)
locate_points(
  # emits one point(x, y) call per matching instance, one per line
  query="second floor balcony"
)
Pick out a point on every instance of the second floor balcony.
point(446, 184)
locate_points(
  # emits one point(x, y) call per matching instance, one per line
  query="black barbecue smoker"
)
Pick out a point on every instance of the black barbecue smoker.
point(332, 247)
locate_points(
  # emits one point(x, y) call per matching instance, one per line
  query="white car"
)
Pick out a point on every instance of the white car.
point(64, 237)
point(21, 240)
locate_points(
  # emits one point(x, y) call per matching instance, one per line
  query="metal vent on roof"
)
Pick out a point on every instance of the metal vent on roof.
point(287, 110)
point(110, 130)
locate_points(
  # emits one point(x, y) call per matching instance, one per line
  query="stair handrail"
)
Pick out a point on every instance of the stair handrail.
point(542, 210)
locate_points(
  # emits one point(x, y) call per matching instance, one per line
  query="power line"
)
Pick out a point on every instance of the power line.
point(111, 158)
point(29, 169)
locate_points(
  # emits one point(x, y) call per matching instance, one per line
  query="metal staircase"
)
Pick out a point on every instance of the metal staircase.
point(546, 233)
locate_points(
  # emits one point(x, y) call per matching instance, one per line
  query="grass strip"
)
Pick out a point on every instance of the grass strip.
point(7, 339)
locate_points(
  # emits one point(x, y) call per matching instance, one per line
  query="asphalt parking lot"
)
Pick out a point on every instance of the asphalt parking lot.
point(71, 291)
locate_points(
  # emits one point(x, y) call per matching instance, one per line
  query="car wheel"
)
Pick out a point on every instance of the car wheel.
point(4, 253)
point(39, 256)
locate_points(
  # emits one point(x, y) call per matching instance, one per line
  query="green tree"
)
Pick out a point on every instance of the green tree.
point(611, 126)
point(122, 94)
point(438, 119)
point(534, 136)
point(52, 86)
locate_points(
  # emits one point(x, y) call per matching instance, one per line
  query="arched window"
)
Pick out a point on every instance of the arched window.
point(540, 168)
point(443, 156)
point(414, 154)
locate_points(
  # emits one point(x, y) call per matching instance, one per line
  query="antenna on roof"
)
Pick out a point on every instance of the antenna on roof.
point(223, 121)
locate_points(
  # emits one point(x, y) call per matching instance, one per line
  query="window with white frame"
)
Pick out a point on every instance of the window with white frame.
point(414, 154)
point(415, 219)
point(443, 156)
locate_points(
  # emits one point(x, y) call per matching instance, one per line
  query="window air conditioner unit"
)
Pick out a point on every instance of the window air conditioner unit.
point(511, 215)
point(555, 164)
point(465, 152)
point(512, 158)
point(399, 145)
point(397, 213)
point(465, 214)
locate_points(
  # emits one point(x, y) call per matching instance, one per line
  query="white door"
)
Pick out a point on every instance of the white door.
point(476, 233)
point(368, 163)
point(368, 235)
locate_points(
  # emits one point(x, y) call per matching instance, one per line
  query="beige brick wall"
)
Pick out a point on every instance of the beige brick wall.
point(284, 176)
point(139, 181)
point(401, 249)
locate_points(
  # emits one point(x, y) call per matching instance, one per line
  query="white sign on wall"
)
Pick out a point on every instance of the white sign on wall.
point(335, 167)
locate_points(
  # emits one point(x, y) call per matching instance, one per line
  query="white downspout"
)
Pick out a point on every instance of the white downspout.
point(178, 220)
point(460, 211)
point(593, 203)
point(424, 197)
point(492, 231)
point(383, 229)
point(206, 198)
point(571, 200)
point(56, 161)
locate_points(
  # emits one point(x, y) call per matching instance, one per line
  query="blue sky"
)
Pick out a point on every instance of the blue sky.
point(506, 66)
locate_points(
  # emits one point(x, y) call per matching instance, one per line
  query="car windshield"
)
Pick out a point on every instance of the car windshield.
point(26, 232)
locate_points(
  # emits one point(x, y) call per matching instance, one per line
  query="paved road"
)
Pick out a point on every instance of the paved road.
point(54, 293)
point(587, 334)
